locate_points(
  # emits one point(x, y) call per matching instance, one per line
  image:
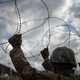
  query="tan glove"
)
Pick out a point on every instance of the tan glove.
point(15, 40)
point(45, 53)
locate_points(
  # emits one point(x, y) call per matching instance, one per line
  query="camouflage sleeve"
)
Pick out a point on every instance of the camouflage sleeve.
point(21, 64)
point(49, 75)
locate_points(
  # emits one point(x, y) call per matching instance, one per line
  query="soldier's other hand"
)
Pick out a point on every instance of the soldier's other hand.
point(15, 40)
point(45, 53)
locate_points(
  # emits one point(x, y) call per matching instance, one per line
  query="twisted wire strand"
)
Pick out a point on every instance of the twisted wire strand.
point(48, 16)
point(28, 51)
point(20, 19)
point(16, 12)
point(32, 20)
point(68, 36)
point(5, 51)
point(44, 21)
point(7, 47)
point(3, 43)
point(56, 27)
point(50, 36)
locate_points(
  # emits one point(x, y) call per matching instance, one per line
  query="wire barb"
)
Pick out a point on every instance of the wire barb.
point(3, 43)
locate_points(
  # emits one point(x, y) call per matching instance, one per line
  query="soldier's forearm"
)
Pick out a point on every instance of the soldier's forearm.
point(20, 63)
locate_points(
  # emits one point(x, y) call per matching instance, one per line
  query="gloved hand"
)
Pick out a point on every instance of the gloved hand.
point(15, 40)
point(45, 53)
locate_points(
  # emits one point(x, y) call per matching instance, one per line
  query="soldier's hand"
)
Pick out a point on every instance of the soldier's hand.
point(45, 53)
point(15, 40)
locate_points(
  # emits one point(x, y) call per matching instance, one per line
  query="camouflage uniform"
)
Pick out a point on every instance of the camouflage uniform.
point(25, 70)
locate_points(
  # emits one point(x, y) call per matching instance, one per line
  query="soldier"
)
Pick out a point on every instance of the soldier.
point(60, 66)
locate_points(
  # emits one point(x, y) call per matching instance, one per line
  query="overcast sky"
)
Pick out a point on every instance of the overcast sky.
point(33, 13)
